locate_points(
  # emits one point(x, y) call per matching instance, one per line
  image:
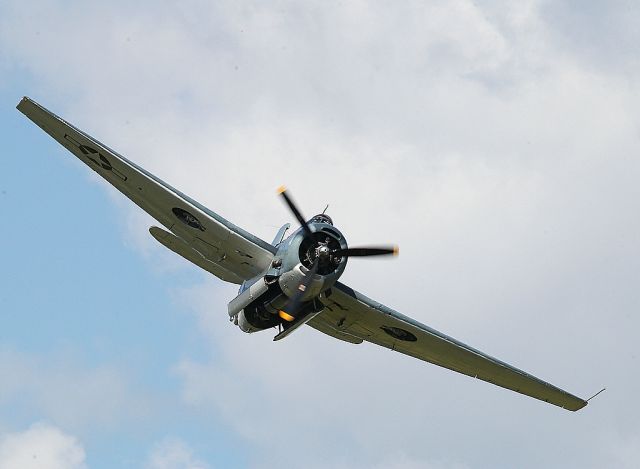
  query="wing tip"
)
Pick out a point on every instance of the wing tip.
point(584, 402)
point(581, 405)
point(23, 101)
point(28, 106)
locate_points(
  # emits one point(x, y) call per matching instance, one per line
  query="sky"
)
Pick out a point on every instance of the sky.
point(497, 143)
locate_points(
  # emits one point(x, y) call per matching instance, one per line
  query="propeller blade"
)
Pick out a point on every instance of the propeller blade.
point(367, 251)
point(291, 309)
point(283, 192)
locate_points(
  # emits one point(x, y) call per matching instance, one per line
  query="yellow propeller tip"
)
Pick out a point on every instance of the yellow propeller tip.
point(396, 250)
point(281, 189)
point(285, 316)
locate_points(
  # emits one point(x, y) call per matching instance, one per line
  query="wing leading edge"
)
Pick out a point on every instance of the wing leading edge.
point(351, 314)
point(201, 236)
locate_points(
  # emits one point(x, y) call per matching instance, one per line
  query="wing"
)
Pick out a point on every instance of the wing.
point(349, 315)
point(198, 234)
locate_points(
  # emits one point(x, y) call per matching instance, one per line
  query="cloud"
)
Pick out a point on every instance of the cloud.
point(41, 446)
point(58, 388)
point(624, 450)
point(601, 37)
point(173, 454)
point(501, 160)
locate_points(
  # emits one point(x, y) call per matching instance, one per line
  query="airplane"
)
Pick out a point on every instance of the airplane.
point(291, 281)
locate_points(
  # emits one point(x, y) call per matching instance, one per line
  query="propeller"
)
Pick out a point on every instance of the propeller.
point(365, 252)
point(323, 254)
point(282, 190)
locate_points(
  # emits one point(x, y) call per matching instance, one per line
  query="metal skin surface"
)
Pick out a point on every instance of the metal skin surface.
point(286, 274)
point(279, 275)
point(291, 272)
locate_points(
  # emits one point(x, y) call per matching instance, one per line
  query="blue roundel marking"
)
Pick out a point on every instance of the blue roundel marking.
point(187, 218)
point(399, 334)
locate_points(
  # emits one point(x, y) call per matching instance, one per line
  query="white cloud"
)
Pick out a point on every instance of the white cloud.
point(42, 446)
point(57, 387)
point(173, 454)
point(504, 166)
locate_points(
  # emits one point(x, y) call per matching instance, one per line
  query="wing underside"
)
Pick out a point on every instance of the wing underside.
point(198, 234)
point(355, 316)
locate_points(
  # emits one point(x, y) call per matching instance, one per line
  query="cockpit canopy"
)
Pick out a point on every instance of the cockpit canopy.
point(322, 218)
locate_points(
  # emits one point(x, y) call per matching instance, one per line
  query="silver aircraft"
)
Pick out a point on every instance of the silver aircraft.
point(291, 281)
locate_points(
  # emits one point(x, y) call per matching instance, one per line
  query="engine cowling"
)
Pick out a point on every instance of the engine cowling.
point(258, 305)
point(299, 253)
